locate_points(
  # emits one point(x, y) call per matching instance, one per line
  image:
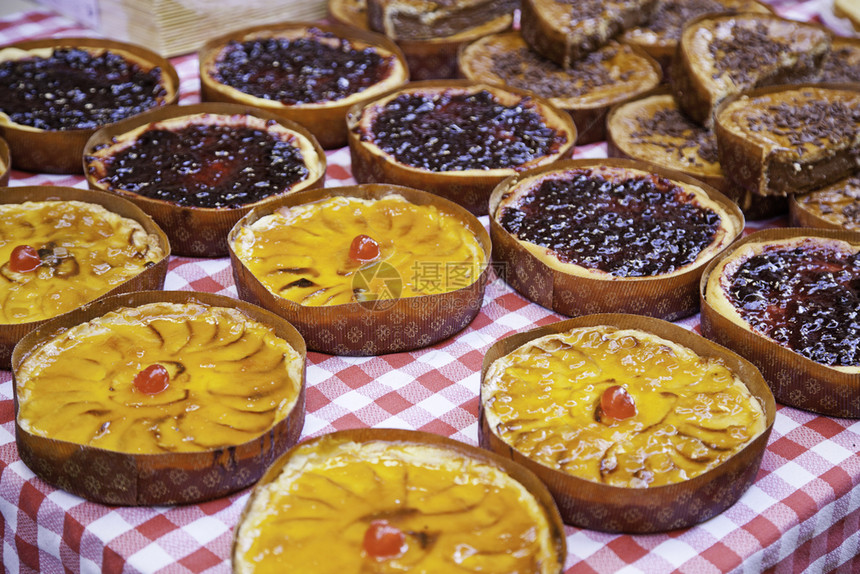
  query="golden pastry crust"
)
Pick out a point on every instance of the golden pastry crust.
point(838, 204)
point(691, 413)
point(302, 253)
point(781, 313)
point(85, 249)
point(231, 380)
point(313, 516)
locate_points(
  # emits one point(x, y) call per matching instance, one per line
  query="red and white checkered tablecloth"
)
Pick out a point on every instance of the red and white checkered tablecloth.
point(802, 513)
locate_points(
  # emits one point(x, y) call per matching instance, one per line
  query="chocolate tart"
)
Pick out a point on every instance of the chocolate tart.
point(426, 19)
point(353, 483)
point(198, 169)
point(610, 385)
point(612, 235)
point(71, 246)
point(231, 400)
point(785, 140)
point(566, 30)
point(725, 54)
point(296, 70)
point(5, 163)
point(45, 120)
point(457, 139)
point(396, 268)
point(653, 129)
point(843, 63)
point(797, 319)
point(836, 206)
point(614, 73)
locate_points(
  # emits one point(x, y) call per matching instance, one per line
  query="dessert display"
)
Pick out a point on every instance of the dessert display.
point(790, 139)
point(198, 169)
point(55, 93)
point(307, 73)
point(379, 500)
point(612, 74)
point(324, 258)
point(725, 54)
point(166, 382)
point(609, 236)
point(835, 206)
point(843, 63)
point(457, 139)
point(422, 20)
point(626, 404)
point(566, 30)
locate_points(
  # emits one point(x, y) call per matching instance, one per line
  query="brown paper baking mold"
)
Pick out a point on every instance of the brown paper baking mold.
point(127, 479)
point(5, 163)
point(327, 122)
point(150, 278)
point(196, 231)
point(668, 298)
point(60, 151)
point(470, 189)
point(795, 380)
point(371, 328)
point(608, 508)
point(518, 472)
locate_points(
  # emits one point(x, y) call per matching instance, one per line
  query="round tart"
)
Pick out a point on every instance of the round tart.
point(305, 72)
point(836, 206)
point(197, 389)
point(394, 501)
point(456, 139)
point(612, 74)
point(324, 258)
point(54, 93)
point(623, 415)
point(198, 169)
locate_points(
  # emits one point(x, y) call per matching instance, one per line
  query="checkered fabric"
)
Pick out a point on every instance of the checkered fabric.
point(802, 513)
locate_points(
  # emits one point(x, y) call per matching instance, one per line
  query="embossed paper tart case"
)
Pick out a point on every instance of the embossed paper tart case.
point(120, 478)
point(371, 327)
point(199, 231)
point(835, 206)
point(150, 278)
point(670, 297)
point(326, 119)
point(418, 440)
point(795, 380)
point(59, 151)
point(609, 508)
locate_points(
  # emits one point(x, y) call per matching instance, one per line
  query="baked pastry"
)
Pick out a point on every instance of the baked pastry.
point(621, 407)
point(843, 63)
point(836, 206)
point(614, 73)
point(57, 255)
point(307, 73)
point(454, 138)
point(349, 12)
point(337, 504)
point(800, 292)
point(426, 19)
point(725, 54)
point(351, 250)
point(566, 30)
point(159, 378)
point(788, 140)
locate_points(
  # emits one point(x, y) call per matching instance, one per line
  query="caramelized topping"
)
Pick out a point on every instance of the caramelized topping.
point(152, 380)
point(24, 259)
point(805, 298)
point(809, 122)
point(616, 403)
point(842, 65)
point(382, 540)
point(363, 248)
point(672, 123)
point(744, 49)
point(670, 16)
point(74, 89)
point(319, 67)
point(455, 132)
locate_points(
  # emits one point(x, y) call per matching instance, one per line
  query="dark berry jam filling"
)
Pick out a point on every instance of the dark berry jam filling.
point(636, 227)
point(206, 166)
point(319, 67)
point(74, 89)
point(455, 132)
point(806, 299)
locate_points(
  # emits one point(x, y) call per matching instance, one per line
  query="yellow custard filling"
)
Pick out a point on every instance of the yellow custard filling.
point(456, 514)
point(85, 251)
point(305, 253)
point(230, 380)
point(691, 413)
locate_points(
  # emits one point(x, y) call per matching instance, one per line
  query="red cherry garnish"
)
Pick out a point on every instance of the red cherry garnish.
point(382, 540)
point(617, 403)
point(24, 259)
point(152, 380)
point(364, 248)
